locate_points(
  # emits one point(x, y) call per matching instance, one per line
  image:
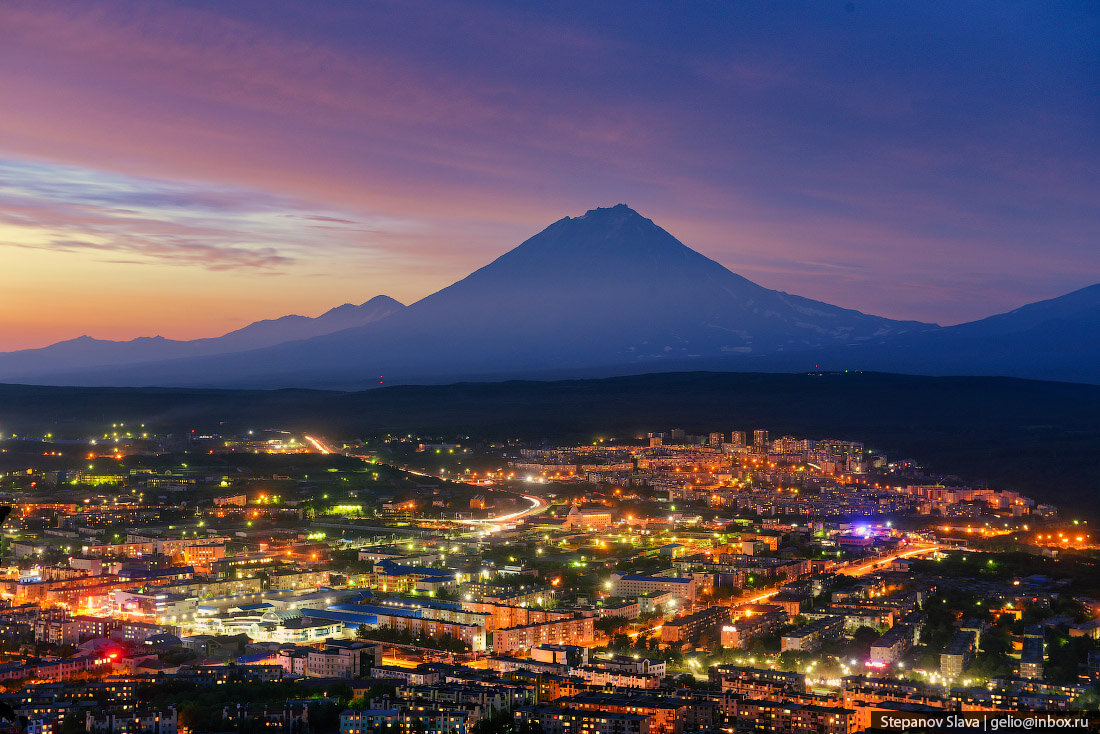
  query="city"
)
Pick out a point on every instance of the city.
point(663, 582)
point(494, 367)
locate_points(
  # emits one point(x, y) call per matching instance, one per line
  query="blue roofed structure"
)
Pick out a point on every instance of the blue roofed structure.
point(391, 568)
point(351, 619)
point(376, 609)
point(661, 579)
point(423, 603)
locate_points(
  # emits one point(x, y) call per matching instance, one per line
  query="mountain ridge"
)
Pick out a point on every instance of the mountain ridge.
point(576, 294)
point(611, 292)
point(266, 332)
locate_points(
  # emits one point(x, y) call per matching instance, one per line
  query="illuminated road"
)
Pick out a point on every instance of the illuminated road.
point(645, 631)
point(495, 524)
point(869, 567)
point(538, 504)
point(492, 524)
point(318, 444)
point(847, 570)
point(400, 662)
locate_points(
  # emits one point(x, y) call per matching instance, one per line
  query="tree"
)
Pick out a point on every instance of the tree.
point(497, 723)
point(864, 636)
point(793, 659)
point(339, 691)
point(996, 641)
point(382, 690)
point(324, 716)
point(198, 716)
point(611, 624)
point(447, 595)
point(1065, 655)
point(988, 665)
point(1088, 701)
point(72, 724)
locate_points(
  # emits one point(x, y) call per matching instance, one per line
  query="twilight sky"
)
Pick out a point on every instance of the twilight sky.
point(185, 168)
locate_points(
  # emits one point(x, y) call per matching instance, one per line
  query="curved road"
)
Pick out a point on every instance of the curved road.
point(538, 504)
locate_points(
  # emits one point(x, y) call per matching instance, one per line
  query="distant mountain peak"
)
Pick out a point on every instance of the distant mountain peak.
point(607, 290)
point(620, 210)
point(612, 286)
point(601, 242)
point(382, 300)
point(294, 327)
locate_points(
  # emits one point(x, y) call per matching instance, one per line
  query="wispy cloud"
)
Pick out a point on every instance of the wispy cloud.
point(174, 251)
point(832, 152)
point(139, 220)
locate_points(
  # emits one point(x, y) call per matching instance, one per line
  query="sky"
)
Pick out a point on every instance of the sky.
point(184, 168)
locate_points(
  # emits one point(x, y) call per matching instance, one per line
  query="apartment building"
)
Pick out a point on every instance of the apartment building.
point(811, 636)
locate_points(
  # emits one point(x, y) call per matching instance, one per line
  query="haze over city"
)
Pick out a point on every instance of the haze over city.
point(186, 168)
